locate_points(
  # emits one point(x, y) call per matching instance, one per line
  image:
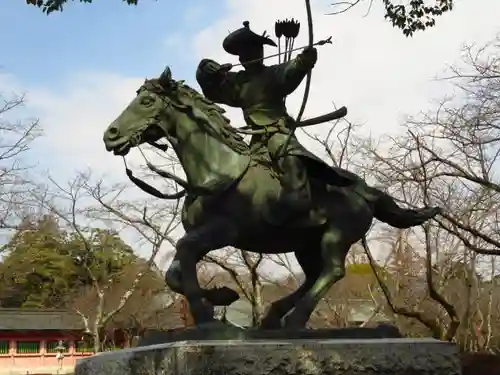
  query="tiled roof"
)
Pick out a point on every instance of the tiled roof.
point(32, 319)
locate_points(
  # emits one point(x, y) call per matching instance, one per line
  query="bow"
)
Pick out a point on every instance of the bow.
point(308, 79)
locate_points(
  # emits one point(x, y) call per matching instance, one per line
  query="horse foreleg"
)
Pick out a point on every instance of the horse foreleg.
point(182, 276)
point(333, 251)
point(222, 296)
point(310, 261)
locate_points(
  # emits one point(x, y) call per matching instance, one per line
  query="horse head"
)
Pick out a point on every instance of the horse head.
point(145, 118)
point(208, 147)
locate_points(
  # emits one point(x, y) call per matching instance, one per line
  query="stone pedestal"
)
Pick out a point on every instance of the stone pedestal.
point(218, 331)
point(374, 356)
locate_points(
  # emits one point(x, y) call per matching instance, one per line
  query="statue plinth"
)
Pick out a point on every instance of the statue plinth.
point(310, 356)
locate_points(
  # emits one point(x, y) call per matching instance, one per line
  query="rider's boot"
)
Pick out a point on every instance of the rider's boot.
point(295, 197)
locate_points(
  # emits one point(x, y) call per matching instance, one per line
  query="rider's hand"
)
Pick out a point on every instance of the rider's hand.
point(310, 54)
point(224, 68)
point(212, 67)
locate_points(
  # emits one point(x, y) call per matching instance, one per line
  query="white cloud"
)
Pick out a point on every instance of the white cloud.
point(74, 118)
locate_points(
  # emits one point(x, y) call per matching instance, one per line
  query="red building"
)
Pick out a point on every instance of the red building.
point(30, 341)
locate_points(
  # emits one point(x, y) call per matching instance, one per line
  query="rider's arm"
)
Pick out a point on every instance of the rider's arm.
point(217, 84)
point(294, 71)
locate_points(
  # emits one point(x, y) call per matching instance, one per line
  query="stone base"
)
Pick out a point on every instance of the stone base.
point(220, 331)
point(375, 356)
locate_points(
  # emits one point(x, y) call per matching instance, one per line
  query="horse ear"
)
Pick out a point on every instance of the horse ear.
point(165, 77)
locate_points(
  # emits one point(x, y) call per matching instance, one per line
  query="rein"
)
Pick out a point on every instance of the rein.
point(147, 187)
point(186, 187)
point(144, 185)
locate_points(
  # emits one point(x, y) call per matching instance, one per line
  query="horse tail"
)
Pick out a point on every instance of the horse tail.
point(387, 211)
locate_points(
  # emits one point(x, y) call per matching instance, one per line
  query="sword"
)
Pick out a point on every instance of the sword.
point(335, 115)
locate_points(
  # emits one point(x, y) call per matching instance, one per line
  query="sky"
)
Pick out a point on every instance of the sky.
point(81, 67)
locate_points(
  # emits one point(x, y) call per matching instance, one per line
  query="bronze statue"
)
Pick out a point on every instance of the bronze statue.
point(234, 192)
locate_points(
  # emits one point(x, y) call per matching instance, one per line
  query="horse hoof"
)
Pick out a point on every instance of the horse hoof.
point(293, 321)
point(210, 324)
point(222, 296)
point(270, 323)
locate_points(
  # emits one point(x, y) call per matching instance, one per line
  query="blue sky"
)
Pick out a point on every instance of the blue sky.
point(105, 36)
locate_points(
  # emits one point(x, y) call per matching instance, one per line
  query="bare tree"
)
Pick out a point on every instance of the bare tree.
point(355, 300)
point(149, 307)
point(486, 306)
point(16, 138)
point(84, 205)
point(448, 158)
point(411, 289)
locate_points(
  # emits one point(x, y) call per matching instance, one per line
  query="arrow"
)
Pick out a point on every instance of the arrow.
point(320, 43)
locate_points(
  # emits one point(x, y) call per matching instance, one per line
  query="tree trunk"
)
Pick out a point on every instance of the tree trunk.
point(96, 336)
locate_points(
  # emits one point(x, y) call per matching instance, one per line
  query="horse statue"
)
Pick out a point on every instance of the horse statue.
point(231, 192)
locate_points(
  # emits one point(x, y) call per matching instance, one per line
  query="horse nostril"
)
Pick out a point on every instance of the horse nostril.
point(113, 132)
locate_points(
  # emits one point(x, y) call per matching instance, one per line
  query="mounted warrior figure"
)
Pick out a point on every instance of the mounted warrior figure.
point(210, 152)
point(260, 91)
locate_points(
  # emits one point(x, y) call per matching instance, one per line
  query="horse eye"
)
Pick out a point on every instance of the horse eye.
point(147, 101)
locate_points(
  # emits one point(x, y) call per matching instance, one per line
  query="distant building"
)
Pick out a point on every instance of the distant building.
point(362, 311)
point(40, 341)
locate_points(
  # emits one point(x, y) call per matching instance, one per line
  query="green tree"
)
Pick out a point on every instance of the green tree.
point(49, 6)
point(48, 267)
point(410, 16)
point(36, 271)
point(99, 254)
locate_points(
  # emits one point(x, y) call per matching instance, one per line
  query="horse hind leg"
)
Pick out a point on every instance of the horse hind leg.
point(334, 249)
point(311, 264)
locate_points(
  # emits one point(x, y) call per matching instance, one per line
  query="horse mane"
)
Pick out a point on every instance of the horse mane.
point(206, 113)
